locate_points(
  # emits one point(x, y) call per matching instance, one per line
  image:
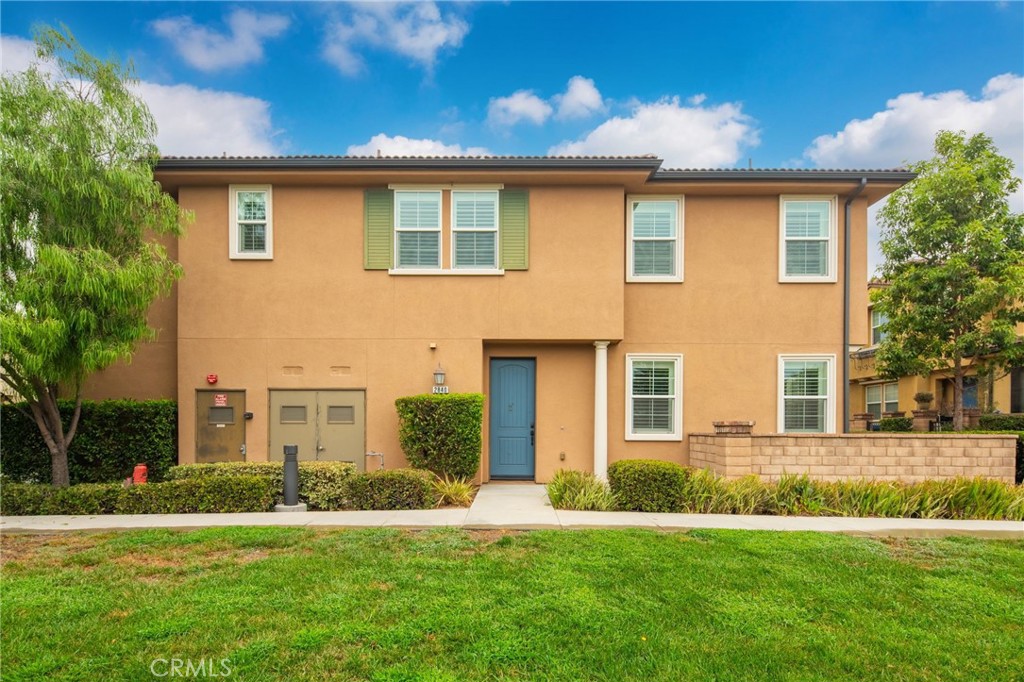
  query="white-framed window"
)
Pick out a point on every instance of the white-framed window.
point(878, 320)
point(654, 397)
point(418, 229)
point(474, 229)
point(807, 389)
point(807, 239)
point(879, 398)
point(251, 222)
point(655, 229)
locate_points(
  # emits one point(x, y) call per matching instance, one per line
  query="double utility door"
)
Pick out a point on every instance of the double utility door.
point(327, 425)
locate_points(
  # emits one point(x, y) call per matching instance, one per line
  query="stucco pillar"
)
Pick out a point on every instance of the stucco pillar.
point(601, 409)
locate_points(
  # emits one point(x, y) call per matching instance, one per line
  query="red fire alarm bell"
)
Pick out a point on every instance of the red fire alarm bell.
point(211, 378)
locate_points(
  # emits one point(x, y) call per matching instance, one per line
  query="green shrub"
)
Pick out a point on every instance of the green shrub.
point(323, 486)
point(112, 437)
point(198, 495)
point(453, 492)
point(895, 424)
point(580, 491)
point(1001, 422)
point(24, 499)
point(442, 433)
point(392, 489)
point(647, 485)
point(216, 494)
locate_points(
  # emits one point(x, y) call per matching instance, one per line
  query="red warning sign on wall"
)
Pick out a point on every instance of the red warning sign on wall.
point(220, 399)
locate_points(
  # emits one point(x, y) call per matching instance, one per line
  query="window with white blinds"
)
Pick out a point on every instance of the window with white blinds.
point(879, 398)
point(474, 229)
point(251, 222)
point(807, 394)
point(418, 229)
point(655, 233)
point(654, 397)
point(808, 251)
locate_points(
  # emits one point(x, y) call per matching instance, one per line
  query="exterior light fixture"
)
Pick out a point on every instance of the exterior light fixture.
point(439, 376)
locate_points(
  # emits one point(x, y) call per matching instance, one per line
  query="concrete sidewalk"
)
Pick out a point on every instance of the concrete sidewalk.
point(520, 507)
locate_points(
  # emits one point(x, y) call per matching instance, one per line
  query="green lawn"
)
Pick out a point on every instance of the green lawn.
point(297, 604)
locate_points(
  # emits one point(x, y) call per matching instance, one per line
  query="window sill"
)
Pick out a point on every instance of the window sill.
point(654, 279)
point(808, 280)
point(663, 437)
point(252, 256)
point(449, 271)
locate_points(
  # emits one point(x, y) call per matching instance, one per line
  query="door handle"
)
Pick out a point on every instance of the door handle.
point(533, 431)
point(241, 448)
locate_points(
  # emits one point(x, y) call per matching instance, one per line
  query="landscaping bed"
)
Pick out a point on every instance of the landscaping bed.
point(242, 487)
point(297, 604)
point(666, 487)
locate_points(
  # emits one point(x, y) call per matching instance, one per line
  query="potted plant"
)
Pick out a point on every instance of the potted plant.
point(923, 400)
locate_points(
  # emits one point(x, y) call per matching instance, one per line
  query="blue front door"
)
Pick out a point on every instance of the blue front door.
point(513, 412)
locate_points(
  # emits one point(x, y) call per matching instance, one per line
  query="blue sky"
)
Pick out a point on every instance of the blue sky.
point(699, 84)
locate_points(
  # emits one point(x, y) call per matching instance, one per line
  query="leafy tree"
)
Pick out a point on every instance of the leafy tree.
point(954, 262)
point(78, 208)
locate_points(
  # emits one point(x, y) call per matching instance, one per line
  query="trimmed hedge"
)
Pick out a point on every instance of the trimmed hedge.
point(392, 489)
point(323, 486)
point(1001, 422)
point(113, 436)
point(647, 485)
point(895, 424)
point(442, 433)
point(209, 495)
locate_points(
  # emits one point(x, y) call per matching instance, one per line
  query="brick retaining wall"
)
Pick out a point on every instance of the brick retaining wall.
point(882, 456)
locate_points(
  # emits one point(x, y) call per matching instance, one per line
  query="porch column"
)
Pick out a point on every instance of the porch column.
point(601, 409)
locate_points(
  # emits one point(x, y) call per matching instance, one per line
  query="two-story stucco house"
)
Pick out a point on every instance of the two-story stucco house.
point(606, 307)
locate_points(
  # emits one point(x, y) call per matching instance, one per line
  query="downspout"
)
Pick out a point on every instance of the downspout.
point(846, 302)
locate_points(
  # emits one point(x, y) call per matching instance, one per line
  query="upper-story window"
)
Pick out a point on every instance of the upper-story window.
point(655, 228)
point(418, 229)
point(475, 229)
point(878, 321)
point(251, 222)
point(807, 243)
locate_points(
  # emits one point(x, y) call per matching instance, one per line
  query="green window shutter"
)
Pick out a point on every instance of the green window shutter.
point(514, 229)
point(378, 229)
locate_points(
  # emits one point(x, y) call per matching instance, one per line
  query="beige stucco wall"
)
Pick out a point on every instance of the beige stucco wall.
point(314, 318)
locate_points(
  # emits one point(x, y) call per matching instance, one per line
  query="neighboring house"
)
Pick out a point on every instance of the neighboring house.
point(870, 393)
point(605, 306)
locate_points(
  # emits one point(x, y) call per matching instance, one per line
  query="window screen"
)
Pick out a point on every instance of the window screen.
point(221, 415)
point(293, 414)
point(805, 395)
point(654, 237)
point(807, 231)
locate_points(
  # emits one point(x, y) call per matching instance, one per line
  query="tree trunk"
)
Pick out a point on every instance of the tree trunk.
point(958, 394)
point(47, 417)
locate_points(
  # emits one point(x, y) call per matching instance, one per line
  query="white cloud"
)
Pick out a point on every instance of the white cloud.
point(521, 105)
point(684, 136)
point(580, 99)
point(416, 30)
point(190, 121)
point(16, 54)
point(905, 131)
point(405, 146)
point(209, 50)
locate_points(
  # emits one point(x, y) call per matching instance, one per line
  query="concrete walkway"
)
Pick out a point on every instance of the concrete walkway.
point(519, 507)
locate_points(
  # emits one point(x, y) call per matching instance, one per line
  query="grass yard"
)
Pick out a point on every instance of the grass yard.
point(297, 604)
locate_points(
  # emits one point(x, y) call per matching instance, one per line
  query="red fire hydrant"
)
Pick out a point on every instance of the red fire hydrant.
point(140, 474)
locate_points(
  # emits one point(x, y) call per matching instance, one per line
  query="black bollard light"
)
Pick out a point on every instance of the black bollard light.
point(291, 475)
